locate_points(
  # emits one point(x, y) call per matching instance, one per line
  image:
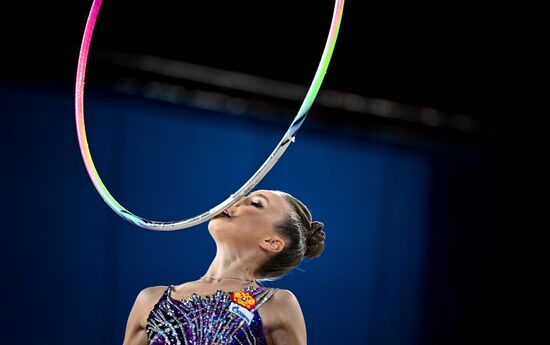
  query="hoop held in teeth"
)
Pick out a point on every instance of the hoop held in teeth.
point(281, 147)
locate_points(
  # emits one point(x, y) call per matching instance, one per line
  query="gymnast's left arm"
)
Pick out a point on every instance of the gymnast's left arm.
point(291, 328)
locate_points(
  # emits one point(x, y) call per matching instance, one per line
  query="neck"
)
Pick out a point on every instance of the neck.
point(227, 264)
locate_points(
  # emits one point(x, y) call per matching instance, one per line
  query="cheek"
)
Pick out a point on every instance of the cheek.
point(263, 226)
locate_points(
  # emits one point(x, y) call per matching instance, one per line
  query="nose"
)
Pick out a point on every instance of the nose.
point(234, 207)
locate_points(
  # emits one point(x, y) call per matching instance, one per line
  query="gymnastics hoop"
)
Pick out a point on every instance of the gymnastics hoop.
point(248, 186)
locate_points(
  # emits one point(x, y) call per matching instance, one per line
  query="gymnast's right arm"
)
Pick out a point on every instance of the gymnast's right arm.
point(137, 320)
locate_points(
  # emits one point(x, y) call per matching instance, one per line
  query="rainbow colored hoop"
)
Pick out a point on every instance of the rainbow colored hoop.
point(248, 186)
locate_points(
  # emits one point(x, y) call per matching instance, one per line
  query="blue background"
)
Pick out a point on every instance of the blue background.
point(403, 218)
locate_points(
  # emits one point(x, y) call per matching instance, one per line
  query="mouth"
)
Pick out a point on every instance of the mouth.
point(223, 214)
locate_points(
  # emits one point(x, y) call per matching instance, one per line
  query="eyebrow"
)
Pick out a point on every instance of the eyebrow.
point(263, 196)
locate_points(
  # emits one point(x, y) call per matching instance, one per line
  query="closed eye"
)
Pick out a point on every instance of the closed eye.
point(256, 204)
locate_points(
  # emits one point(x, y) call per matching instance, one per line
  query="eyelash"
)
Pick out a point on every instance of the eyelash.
point(256, 203)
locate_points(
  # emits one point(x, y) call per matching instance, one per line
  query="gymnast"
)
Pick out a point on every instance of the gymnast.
point(262, 237)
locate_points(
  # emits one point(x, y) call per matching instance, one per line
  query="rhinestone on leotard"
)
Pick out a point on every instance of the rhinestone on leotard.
point(220, 318)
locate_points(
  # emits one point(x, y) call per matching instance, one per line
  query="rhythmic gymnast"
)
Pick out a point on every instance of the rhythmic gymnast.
point(260, 238)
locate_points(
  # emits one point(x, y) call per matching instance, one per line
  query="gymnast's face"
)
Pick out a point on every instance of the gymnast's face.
point(251, 221)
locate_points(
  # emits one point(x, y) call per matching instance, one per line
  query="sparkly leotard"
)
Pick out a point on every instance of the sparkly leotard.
point(219, 318)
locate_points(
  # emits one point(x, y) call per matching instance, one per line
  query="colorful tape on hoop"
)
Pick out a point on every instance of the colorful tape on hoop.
point(248, 186)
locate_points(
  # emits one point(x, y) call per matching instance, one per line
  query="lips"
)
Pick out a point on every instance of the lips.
point(224, 214)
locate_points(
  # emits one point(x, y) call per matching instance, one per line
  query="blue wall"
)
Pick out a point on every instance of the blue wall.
point(399, 218)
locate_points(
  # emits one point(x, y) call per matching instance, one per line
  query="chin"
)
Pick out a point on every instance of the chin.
point(220, 233)
point(215, 225)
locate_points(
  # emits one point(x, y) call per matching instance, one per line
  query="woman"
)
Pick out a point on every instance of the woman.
point(261, 237)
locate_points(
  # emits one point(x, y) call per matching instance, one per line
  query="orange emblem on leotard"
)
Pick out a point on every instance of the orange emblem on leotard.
point(244, 299)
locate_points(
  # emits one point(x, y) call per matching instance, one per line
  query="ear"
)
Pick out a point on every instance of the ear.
point(273, 244)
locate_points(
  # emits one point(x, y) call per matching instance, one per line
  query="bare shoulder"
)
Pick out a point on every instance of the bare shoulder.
point(283, 297)
point(152, 292)
point(146, 300)
point(290, 327)
point(137, 319)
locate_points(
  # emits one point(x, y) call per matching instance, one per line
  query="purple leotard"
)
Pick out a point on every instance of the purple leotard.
point(219, 318)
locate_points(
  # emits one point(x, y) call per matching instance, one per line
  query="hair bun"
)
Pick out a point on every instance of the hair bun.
point(315, 229)
point(315, 240)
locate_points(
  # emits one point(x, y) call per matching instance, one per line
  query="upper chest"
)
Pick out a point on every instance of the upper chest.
point(260, 303)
